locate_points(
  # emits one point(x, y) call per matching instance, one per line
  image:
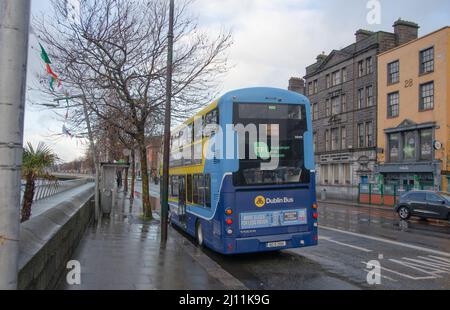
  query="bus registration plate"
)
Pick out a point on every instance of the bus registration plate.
point(278, 244)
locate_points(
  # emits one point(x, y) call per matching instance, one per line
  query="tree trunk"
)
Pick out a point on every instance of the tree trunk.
point(28, 197)
point(126, 176)
point(146, 204)
point(133, 173)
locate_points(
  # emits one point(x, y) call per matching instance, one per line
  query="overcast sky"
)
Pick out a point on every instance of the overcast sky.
point(273, 40)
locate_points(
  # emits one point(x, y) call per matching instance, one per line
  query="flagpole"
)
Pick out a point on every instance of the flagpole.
point(14, 29)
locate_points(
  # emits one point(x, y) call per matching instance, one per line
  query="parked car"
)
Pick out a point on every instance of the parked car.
point(424, 204)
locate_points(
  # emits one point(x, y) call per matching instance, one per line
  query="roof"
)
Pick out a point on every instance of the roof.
point(413, 41)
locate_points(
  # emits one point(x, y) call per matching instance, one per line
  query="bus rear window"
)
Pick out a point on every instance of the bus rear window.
point(271, 112)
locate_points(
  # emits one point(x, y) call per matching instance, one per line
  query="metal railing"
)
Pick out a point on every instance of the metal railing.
point(386, 195)
point(44, 188)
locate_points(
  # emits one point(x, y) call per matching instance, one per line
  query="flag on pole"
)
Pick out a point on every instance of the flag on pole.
point(53, 76)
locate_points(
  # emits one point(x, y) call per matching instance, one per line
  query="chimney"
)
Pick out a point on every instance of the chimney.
point(297, 85)
point(405, 31)
point(362, 34)
point(321, 57)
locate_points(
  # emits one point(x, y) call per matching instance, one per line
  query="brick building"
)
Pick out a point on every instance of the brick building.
point(342, 88)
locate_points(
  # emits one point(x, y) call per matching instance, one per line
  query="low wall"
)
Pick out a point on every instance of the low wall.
point(47, 241)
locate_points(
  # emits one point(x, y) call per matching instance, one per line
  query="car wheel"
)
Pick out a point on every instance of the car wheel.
point(199, 235)
point(404, 213)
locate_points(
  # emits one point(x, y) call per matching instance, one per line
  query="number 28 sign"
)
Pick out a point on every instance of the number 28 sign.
point(409, 83)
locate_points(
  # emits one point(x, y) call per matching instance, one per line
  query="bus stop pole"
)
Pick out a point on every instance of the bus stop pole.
point(168, 116)
point(14, 30)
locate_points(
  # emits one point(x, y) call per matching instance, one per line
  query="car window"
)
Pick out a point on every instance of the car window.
point(434, 198)
point(416, 196)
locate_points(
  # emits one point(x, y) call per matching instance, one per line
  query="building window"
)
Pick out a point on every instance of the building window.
point(369, 65)
point(328, 107)
point(310, 88)
point(344, 75)
point(361, 136)
point(347, 173)
point(369, 96)
point(361, 68)
point(327, 140)
point(426, 144)
point(409, 146)
point(369, 134)
point(344, 103)
point(343, 138)
point(426, 96)
point(335, 105)
point(427, 61)
point(316, 86)
point(315, 139)
point(361, 98)
point(328, 81)
point(394, 147)
point(393, 104)
point(336, 174)
point(335, 139)
point(336, 78)
point(316, 111)
point(325, 176)
point(394, 72)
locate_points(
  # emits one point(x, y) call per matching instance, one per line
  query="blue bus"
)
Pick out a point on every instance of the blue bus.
point(227, 201)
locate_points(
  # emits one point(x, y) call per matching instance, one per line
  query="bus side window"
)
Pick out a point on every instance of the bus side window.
point(189, 188)
point(201, 189)
point(208, 191)
point(174, 186)
point(198, 129)
point(195, 200)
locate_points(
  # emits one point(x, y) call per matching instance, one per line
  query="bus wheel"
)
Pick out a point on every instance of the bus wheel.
point(199, 234)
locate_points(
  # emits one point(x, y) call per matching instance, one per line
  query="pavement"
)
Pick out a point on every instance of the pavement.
point(122, 252)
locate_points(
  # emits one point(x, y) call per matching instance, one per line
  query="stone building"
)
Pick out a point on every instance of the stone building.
point(342, 88)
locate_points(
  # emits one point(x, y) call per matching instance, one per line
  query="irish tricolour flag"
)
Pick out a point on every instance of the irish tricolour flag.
point(53, 76)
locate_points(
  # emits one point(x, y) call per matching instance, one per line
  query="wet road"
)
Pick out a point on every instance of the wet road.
point(412, 255)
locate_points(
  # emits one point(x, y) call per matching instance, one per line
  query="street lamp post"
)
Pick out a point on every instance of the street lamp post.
point(14, 29)
point(168, 116)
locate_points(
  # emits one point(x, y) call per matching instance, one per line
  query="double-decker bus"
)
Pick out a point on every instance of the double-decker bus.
point(238, 191)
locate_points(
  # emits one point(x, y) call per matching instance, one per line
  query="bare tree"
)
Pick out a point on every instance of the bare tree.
point(114, 51)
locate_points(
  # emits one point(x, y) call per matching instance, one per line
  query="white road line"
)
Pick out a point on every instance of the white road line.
point(440, 258)
point(415, 247)
point(405, 275)
point(345, 244)
point(417, 267)
point(434, 266)
point(435, 261)
point(382, 276)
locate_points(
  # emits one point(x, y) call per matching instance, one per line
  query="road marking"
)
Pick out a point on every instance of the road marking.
point(405, 275)
point(424, 269)
point(406, 245)
point(345, 244)
point(440, 258)
point(382, 276)
point(438, 267)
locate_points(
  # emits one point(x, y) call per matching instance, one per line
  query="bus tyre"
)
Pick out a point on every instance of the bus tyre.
point(404, 213)
point(199, 234)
